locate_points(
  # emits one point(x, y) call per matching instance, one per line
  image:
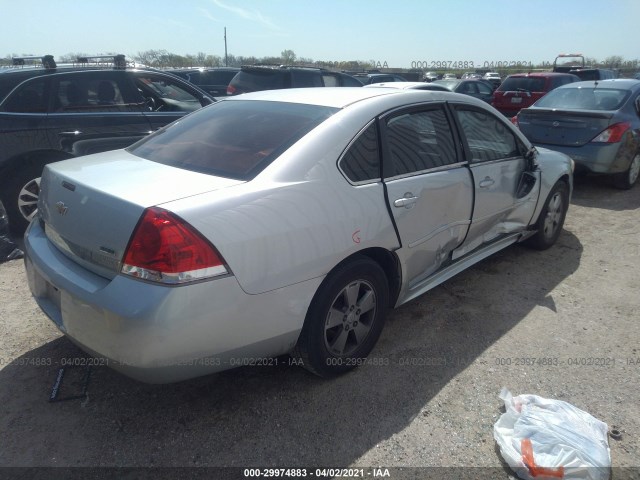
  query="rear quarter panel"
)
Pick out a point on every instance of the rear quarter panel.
point(299, 218)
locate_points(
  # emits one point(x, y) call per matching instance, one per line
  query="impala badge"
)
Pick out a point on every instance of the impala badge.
point(556, 124)
point(62, 208)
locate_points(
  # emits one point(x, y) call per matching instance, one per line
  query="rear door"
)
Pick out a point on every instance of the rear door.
point(429, 188)
point(93, 112)
point(497, 165)
point(23, 119)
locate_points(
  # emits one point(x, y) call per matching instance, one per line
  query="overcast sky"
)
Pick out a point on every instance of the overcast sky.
point(397, 32)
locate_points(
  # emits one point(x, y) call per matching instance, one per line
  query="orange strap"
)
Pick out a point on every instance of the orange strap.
point(534, 470)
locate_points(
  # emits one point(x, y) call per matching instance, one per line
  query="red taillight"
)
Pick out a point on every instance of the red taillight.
point(514, 120)
point(613, 134)
point(231, 89)
point(166, 249)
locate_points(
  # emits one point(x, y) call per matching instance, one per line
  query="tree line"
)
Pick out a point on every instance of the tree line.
point(165, 59)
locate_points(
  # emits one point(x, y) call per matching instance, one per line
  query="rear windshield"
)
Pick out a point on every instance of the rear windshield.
point(233, 139)
point(584, 99)
point(522, 84)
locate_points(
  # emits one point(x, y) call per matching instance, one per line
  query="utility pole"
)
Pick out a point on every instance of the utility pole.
point(226, 58)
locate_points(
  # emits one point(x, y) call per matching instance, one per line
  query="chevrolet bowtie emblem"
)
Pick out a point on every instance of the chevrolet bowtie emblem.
point(62, 208)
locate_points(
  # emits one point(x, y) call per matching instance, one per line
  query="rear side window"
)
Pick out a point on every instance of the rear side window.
point(418, 141)
point(259, 79)
point(523, 84)
point(30, 97)
point(89, 93)
point(361, 162)
point(306, 78)
point(234, 139)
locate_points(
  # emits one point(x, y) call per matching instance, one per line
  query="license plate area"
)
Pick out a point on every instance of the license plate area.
point(516, 99)
point(53, 295)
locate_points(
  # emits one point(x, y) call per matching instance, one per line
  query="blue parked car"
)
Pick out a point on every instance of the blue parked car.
point(596, 123)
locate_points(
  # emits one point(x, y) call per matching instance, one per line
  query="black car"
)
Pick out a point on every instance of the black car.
point(371, 78)
point(52, 113)
point(212, 80)
point(253, 78)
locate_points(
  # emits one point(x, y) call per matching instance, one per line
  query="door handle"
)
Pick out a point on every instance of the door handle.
point(408, 201)
point(487, 182)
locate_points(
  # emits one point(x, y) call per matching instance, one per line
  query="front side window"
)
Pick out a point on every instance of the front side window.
point(233, 139)
point(418, 141)
point(361, 162)
point(165, 94)
point(488, 138)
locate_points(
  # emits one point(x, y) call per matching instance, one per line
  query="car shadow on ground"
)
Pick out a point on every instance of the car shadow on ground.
point(278, 415)
point(597, 191)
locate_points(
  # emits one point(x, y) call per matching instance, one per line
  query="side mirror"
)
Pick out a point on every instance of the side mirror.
point(638, 105)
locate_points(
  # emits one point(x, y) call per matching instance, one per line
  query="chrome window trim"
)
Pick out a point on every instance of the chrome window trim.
point(441, 168)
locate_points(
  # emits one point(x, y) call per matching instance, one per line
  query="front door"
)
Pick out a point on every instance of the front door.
point(497, 164)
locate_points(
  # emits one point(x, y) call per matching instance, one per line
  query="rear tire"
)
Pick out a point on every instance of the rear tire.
point(551, 219)
point(627, 179)
point(345, 319)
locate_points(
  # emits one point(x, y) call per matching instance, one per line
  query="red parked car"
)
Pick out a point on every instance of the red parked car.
point(521, 90)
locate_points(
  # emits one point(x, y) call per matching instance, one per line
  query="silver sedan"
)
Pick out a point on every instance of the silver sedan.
point(282, 222)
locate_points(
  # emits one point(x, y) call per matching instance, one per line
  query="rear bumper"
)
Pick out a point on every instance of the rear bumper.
point(163, 334)
point(596, 157)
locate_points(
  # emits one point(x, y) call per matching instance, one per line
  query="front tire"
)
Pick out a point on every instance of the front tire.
point(551, 219)
point(345, 318)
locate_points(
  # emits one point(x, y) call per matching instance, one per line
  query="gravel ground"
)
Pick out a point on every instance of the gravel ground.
point(427, 398)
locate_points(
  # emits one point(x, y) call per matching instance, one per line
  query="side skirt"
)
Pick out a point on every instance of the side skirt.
point(458, 266)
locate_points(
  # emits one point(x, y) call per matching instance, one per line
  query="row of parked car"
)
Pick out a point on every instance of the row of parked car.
point(52, 112)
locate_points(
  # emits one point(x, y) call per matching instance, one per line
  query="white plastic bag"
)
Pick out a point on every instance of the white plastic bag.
point(546, 439)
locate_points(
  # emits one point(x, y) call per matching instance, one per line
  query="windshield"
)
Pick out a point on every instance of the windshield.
point(522, 84)
point(584, 99)
point(234, 139)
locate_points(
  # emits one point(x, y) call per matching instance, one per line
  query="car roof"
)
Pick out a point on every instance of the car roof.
point(397, 85)
point(341, 97)
point(542, 74)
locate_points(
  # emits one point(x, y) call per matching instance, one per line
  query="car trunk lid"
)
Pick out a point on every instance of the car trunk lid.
point(90, 206)
point(566, 128)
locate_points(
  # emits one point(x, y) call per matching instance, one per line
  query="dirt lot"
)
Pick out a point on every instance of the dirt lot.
point(433, 404)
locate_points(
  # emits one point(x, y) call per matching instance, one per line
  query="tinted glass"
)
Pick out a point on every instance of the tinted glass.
point(584, 99)
point(419, 141)
point(488, 137)
point(28, 98)
point(235, 139)
point(90, 93)
point(306, 78)
point(362, 161)
point(258, 79)
point(167, 95)
point(347, 81)
point(524, 84)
